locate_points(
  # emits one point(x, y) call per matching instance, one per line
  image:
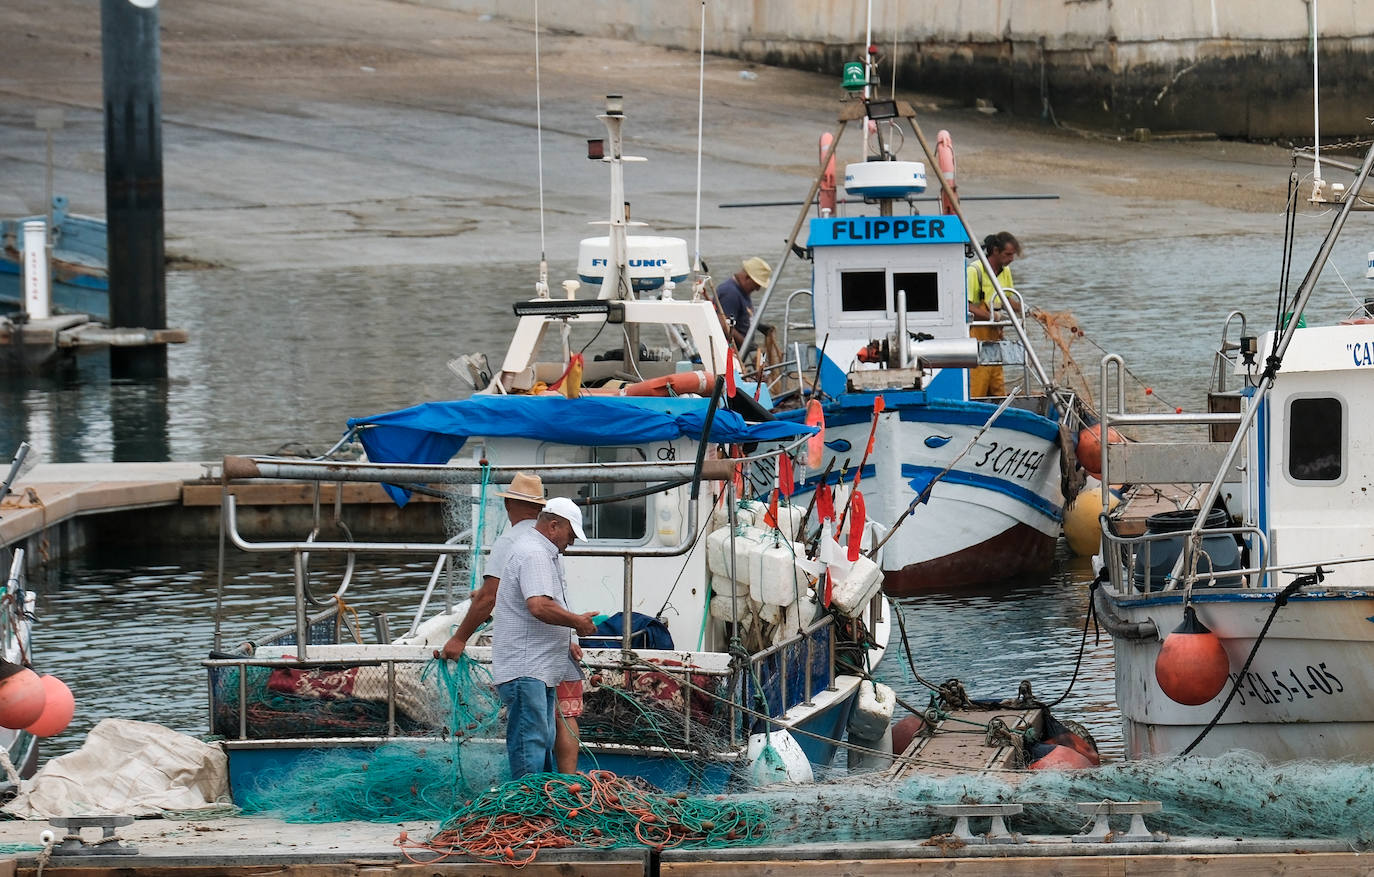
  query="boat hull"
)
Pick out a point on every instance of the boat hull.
point(1308, 693)
point(80, 280)
point(996, 513)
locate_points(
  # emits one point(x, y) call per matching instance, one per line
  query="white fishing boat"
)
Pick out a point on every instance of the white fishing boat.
point(1250, 627)
point(892, 356)
point(752, 630)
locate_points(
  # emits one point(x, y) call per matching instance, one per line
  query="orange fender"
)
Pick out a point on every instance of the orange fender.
point(681, 383)
point(944, 154)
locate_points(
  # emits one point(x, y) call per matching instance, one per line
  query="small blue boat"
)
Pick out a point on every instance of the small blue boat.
point(80, 276)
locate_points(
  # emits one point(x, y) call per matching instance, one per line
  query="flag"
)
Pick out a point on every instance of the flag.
point(856, 526)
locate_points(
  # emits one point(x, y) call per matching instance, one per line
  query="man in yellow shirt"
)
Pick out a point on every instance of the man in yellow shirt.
point(1001, 249)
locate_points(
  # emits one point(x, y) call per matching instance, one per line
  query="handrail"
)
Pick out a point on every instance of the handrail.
point(1251, 575)
point(434, 582)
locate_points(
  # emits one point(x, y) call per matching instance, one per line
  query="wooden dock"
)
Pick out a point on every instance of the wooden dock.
point(58, 508)
point(44, 345)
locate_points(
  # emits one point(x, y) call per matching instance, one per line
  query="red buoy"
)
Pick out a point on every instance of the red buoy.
point(1192, 667)
point(1057, 758)
point(905, 731)
point(21, 699)
point(1090, 447)
point(58, 708)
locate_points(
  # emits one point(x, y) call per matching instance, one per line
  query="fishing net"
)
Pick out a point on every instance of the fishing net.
point(513, 822)
point(1234, 795)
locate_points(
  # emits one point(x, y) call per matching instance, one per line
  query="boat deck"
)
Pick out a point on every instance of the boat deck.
point(1145, 500)
point(961, 745)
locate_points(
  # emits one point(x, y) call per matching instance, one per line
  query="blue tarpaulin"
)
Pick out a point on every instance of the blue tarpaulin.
point(432, 432)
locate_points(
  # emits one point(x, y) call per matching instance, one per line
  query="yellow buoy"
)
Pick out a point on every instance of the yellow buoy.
point(1080, 519)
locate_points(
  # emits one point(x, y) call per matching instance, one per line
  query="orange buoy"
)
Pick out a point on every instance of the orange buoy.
point(905, 731)
point(827, 188)
point(1192, 666)
point(58, 708)
point(1051, 756)
point(21, 699)
point(1059, 734)
point(1090, 447)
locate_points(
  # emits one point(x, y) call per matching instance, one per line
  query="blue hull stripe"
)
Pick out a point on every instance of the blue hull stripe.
point(986, 482)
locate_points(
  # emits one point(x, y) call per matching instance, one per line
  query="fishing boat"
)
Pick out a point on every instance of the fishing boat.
point(739, 634)
point(892, 356)
point(80, 280)
point(1249, 626)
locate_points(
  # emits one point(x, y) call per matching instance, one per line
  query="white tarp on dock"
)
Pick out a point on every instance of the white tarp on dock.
point(128, 768)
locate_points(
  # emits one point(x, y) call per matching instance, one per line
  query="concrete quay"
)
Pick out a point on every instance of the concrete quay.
point(237, 845)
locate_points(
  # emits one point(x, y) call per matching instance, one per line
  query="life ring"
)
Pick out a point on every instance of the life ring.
point(827, 191)
point(944, 155)
point(681, 383)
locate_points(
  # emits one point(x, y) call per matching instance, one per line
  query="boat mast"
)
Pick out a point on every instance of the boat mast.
point(616, 285)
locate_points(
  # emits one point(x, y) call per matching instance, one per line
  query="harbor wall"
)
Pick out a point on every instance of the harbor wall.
point(1238, 68)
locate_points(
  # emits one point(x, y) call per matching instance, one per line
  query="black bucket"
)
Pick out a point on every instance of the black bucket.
point(1221, 548)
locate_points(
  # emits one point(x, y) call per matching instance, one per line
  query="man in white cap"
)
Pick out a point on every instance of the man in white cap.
point(532, 647)
point(732, 296)
point(524, 499)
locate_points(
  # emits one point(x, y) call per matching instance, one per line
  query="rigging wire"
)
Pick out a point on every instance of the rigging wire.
point(701, 102)
point(539, 136)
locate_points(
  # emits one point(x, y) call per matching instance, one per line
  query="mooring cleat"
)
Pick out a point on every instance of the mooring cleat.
point(1101, 830)
point(109, 844)
point(997, 832)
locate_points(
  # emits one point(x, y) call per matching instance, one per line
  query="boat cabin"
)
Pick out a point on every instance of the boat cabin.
point(1313, 485)
point(863, 266)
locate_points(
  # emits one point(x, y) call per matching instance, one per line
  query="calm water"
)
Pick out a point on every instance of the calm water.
point(276, 360)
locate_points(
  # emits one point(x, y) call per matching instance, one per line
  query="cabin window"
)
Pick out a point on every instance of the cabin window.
point(623, 520)
point(1316, 439)
point(863, 291)
point(922, 291)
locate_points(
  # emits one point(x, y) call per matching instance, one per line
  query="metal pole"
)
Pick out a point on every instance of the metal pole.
point(792, 239)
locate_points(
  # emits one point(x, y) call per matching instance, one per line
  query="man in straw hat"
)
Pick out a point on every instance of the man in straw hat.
point(533, 647)
point(524, 499)
point(732, 296)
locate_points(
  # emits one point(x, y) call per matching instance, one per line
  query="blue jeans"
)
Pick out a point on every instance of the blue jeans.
point(531, 710)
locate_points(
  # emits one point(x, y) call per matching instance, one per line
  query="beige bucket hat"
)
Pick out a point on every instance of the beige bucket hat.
point(758, 270)
point(524, 487)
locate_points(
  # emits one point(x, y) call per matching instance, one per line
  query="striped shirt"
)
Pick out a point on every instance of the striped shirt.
point(522, 644)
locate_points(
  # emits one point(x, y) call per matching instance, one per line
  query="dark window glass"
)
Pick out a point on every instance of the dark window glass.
point(1315, 439)
point(863, 291)
point(618, 519)
point(922, 291)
